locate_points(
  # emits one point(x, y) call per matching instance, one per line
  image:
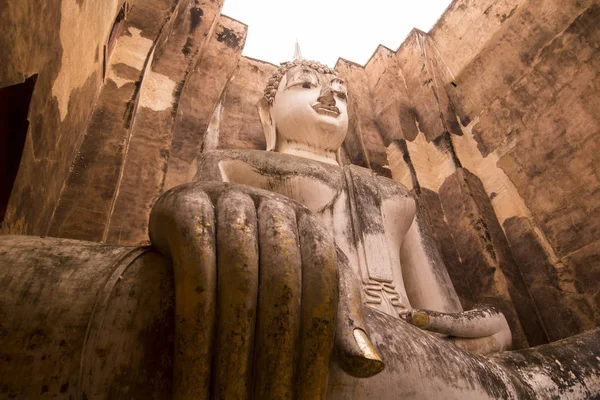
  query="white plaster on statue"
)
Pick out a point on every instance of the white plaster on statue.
point(421, 296)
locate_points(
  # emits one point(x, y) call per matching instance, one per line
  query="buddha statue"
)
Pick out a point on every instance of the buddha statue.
point(373, 220)
point(275, 274)
point(313, 280)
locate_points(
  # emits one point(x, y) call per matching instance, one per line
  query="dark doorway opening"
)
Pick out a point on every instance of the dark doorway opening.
point(14, 107)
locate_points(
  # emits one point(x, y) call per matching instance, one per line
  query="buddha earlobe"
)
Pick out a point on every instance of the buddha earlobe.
point(264, 113)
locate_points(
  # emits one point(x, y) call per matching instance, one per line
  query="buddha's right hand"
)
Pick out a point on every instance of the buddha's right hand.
point(256, 294)
point(482, 330)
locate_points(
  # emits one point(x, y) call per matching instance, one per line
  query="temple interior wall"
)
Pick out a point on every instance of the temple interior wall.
point(490, 118)
point(529, 135)
point(62, 43)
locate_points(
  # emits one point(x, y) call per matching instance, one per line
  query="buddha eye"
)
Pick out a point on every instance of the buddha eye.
point(341, 95)
point(306, 85)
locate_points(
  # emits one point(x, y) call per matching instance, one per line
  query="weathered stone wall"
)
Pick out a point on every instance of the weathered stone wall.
point(153, 132)
point(62, 42)
point(98, 179)
point(538, 124)
point(200, 96)
point(132, 91)
point(467, 26)
point(521, 77)
point(235, 123)
point(364, 145)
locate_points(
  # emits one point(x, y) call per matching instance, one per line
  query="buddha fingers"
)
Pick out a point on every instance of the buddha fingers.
point(237, 295)
point(319, 307)
point(482, 321)
point(279, 301)
point(356, 353)
point(482, 330)
point(182, 227)
point(276, 342)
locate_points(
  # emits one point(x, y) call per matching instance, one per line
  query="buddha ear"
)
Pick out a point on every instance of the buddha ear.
point(264, 113)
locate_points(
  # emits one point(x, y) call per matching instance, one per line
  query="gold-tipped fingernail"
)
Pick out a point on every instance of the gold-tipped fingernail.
point(365, 345)
point(418, 319)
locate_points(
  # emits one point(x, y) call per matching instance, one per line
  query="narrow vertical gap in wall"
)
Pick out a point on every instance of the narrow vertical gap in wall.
point(14, 108)
point(115, 32)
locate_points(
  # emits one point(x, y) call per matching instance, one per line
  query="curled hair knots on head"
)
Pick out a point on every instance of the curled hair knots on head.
point(275, 79)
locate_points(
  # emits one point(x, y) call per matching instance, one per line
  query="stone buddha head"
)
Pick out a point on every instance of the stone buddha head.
point(304, 111)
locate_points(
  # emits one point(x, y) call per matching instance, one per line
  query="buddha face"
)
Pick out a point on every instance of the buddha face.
point(310, 109)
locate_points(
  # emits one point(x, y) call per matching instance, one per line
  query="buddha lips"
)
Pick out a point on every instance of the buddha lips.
point(331, 111)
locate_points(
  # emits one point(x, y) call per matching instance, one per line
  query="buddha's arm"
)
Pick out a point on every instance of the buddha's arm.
point(427, 282)
point(435, 303)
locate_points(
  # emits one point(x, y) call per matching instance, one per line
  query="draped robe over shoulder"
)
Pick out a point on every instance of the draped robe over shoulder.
point(374, 221)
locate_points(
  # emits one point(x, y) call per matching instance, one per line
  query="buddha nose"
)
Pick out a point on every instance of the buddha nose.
point(326, 97)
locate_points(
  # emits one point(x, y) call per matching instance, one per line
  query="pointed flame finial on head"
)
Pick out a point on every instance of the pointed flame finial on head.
point(297, 52)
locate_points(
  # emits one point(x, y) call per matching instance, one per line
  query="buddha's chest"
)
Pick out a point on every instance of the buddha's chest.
point(368, 221)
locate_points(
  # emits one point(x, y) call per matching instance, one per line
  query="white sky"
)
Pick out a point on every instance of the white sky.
point(328, 29)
